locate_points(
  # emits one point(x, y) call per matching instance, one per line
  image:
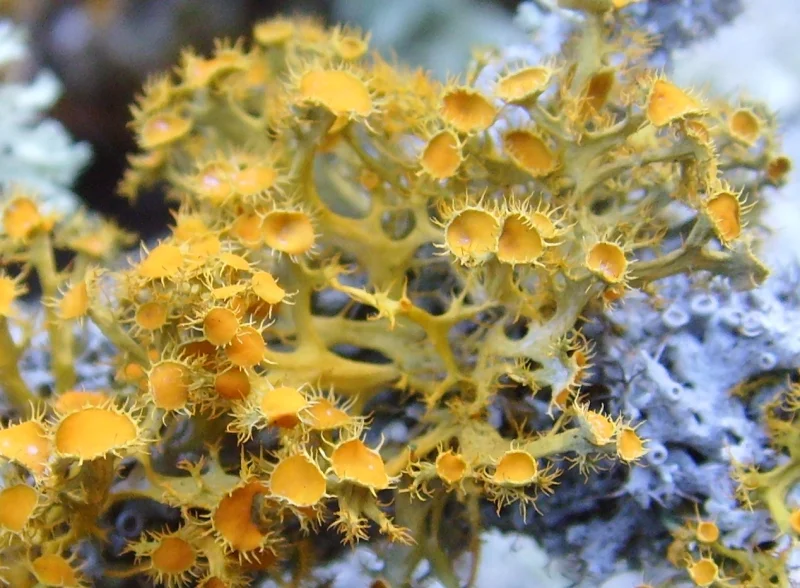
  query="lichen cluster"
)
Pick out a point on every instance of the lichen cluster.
point(349, 229)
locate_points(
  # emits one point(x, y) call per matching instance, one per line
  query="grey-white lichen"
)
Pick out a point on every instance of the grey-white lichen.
point(36, 153)
point(674, 372)
point(673, 23)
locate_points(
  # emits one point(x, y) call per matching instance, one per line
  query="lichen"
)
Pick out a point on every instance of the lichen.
point(355, 329)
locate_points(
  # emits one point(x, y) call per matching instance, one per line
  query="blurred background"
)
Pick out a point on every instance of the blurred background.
point(102, 51)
